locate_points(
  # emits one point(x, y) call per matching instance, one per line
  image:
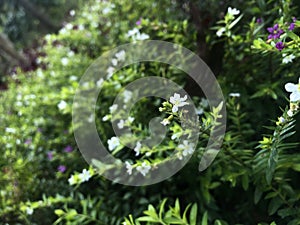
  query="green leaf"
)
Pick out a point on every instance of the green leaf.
point(257, 195)
point(59, 212)
point(193, 214)
point(235, 21)
point(204, 219)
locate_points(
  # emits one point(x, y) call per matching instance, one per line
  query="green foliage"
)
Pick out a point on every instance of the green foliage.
point(253, 180)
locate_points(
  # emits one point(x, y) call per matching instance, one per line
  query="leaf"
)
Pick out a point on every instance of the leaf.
point(59, 212)
point(245, 182)
point(257, 195)
point(162, 206)
point(274, 205)
point(193, 214)
point(235, 22)
point(204, 219)
point(147, 219)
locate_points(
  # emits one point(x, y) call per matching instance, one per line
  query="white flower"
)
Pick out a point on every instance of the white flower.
point(290, 113)
point(113, 143)
point(29, 211)
point(110, 72)
point(62, 105)
point(287, 59)
point(144, 168)
point(178, 102)
point(175, 135)
point(73, 78)
point(72, 13)
point(99, 82)
point(85, 175)
point(199, 110)
point(233, 11)
point(69, 26)
point(10, 130)
point(105, 118)
point(133, 32)
point(130, 119)
point(113, 108)
point(295, 89)
point(220, 31)
point(80, 27)
point(127, 96)
point(64, 61)
point(114, 62)
point(165, 122)
point(129, 167)
point(141, 37)
point(121, 124)
point(188, 148)
point(71, 53)
point(236, 95)
point(120, 55)
point(72, 180)
point(137, 148)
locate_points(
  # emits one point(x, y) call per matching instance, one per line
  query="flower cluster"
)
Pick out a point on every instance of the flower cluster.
point(84, 176)
point(142, 168)
point(176, 102)
point(135, 35)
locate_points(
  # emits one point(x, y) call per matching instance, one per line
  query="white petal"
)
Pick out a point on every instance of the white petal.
point(289, 87)
point(295, 96)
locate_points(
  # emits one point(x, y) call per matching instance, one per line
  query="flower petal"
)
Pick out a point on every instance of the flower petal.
point(289, 87)
point(295, 96)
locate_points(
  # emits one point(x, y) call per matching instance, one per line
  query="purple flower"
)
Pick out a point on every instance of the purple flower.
point(50, 155)
point(62, 168)
point(279, 45)
point(68, 149)
point(294, 19)
point(259, 20)
point(274, 31)
point(28, 142)
point(292, 26)
point(138, 22)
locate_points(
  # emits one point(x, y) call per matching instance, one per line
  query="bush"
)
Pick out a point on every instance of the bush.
point(253, 179)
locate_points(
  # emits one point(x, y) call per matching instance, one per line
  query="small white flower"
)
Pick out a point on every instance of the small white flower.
point(113, 108)
point(129, 167)
point(121, 124)
point(141, 37)
point(10, 130)
point(287, 59)
point(69, 26)
point(72, 13)
point(188, 148)
point(295, 89)
point(133, 32)
point(120, 55)
point(137, 148)
point(220, 31)
point(99, 82)
point(144, 168)
point(114, 62)
point(72, 180)
point(80, 27)
point(199, 110)
point(113, 143)
point(105, 118)
point(236, 95)
point(175, 135)
point(177, 101)
point(64, 61)
point(29, 211)
point(127, 96)
point(130, 119)
point(106, 10)
point(62, 105)
point(85, 175)
point(71, 53)
point(110, 72)
point(73, 78)
point(165, 122)
point(233, 11)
